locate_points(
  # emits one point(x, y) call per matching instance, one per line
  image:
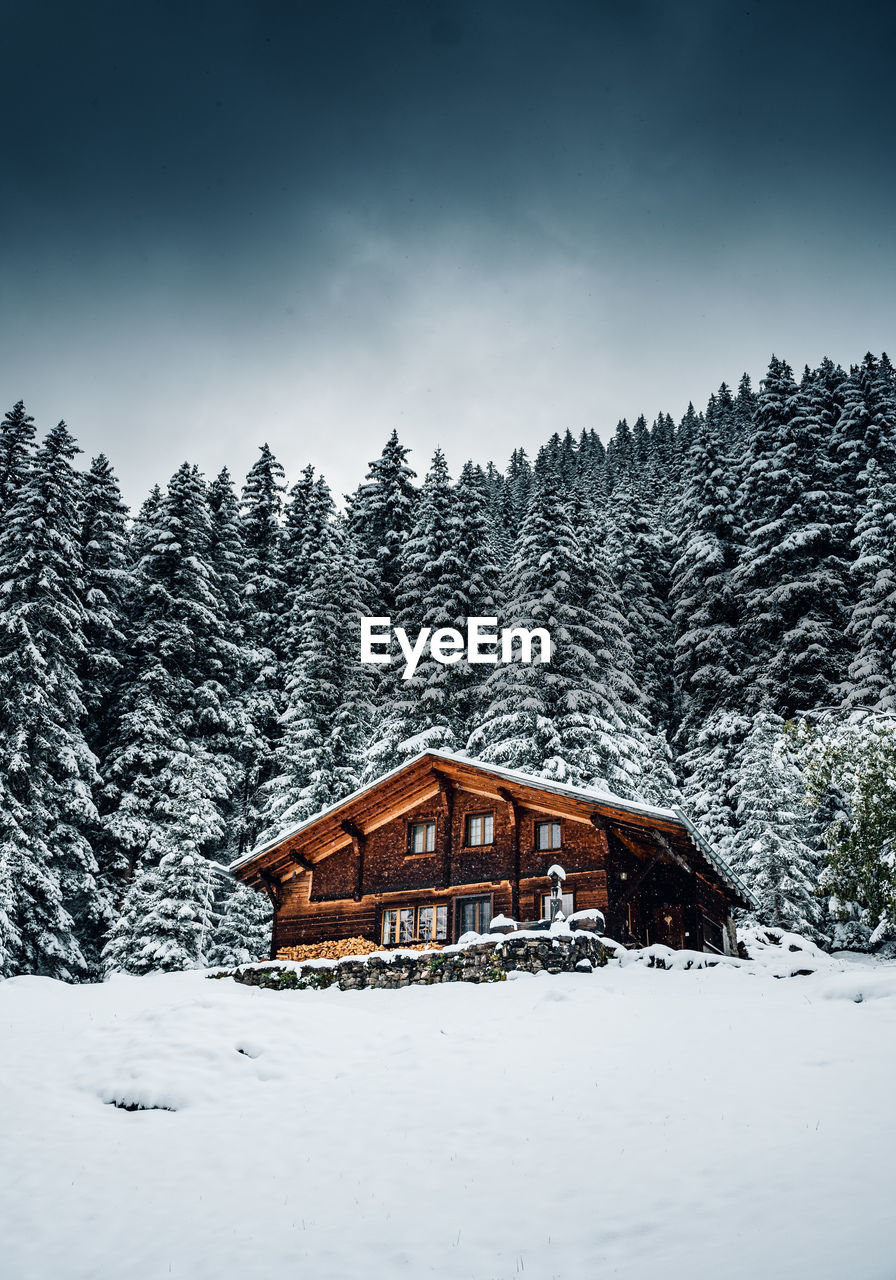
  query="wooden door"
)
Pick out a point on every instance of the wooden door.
point(667, 925)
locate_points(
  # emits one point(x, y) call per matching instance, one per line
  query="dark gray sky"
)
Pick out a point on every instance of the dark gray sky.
point(479, 221)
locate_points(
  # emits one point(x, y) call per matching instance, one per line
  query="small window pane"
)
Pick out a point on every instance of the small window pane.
point(406, 924)
point(423, 837)
point(547, 835)
point(441, 922)
point(480, 828)
point(425, 918)
point(567, 906)
point(390, 919)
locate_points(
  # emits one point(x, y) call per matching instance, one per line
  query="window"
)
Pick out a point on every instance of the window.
point(474, 915)
point(567, 904)
point(398, 925)
point(421, 837)
point(480, 828)
point(432, 923)
point(405, 924)
point(547, 835)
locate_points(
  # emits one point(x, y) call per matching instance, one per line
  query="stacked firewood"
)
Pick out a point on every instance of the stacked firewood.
point(335, 950)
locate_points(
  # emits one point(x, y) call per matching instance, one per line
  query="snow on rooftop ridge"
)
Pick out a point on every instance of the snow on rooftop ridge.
point(510, 775)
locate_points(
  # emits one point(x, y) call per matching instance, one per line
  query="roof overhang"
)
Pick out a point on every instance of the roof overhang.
point(431, 772)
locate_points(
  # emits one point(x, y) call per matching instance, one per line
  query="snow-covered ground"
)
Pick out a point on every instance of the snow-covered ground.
point(631, 1122)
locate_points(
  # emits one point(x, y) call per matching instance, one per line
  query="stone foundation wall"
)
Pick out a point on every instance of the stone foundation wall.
point(486, 961)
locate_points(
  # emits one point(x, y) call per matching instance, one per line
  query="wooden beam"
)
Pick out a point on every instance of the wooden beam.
point(272, 887)
point(446, 791)
point(358, 842)
point(676, 857)
point(510, 801)
point(300, 860)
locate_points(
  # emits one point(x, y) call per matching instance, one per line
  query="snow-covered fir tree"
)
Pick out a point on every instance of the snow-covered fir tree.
point(266, 602)
point(325, 727)
point(565, 719)
point(793, 575)
point(17, 436)
point(167, 786)
point(107, 586)
point(51, 899)
point(242, 928)
point(380, 515)
point(772, 849)
point(709, 659)
point(872, 673)
point(417, 713)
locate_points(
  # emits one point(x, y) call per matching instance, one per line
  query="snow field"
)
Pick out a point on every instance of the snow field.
point(629, 1122)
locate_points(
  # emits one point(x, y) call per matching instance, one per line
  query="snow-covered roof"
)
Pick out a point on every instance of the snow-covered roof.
point(589, 794)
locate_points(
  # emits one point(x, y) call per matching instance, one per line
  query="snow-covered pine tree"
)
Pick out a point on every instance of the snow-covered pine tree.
point(662, 479)
point(242, 928)
point(620, 459)
point(309, 515)
point(502, 517)
point(866, 427)
point(566, 719)
point(638, 552)
point(108, 583)
point(168, 787)
point(167, 917)
point(793, 574)
point(849, 762)
point(380, 515)
point(223, 717)
point(519, 489)
point(772, 848)
point(50, 896)
point(108, 586)
point(744, 411)
point(592, 457)
point(416, 714)
point(872, 673)
point(143, 528)
point(685, 434)
point(708, 661)
point(266, 602)
point(320, 755)
point(708, 658)
point(16, 449)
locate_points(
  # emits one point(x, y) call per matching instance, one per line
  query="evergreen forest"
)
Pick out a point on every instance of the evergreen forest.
point(180, 682)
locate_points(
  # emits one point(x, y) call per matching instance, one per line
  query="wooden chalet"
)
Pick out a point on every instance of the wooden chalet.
point(441, 845)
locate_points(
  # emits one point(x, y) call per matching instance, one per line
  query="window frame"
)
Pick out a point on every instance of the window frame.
point(481, 816)
point(547, 822)
point(429, 823)
point(544, 900)
point(471, 897)
point(414, 908)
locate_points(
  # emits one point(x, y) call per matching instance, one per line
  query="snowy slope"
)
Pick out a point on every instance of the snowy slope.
point(630, 1122)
